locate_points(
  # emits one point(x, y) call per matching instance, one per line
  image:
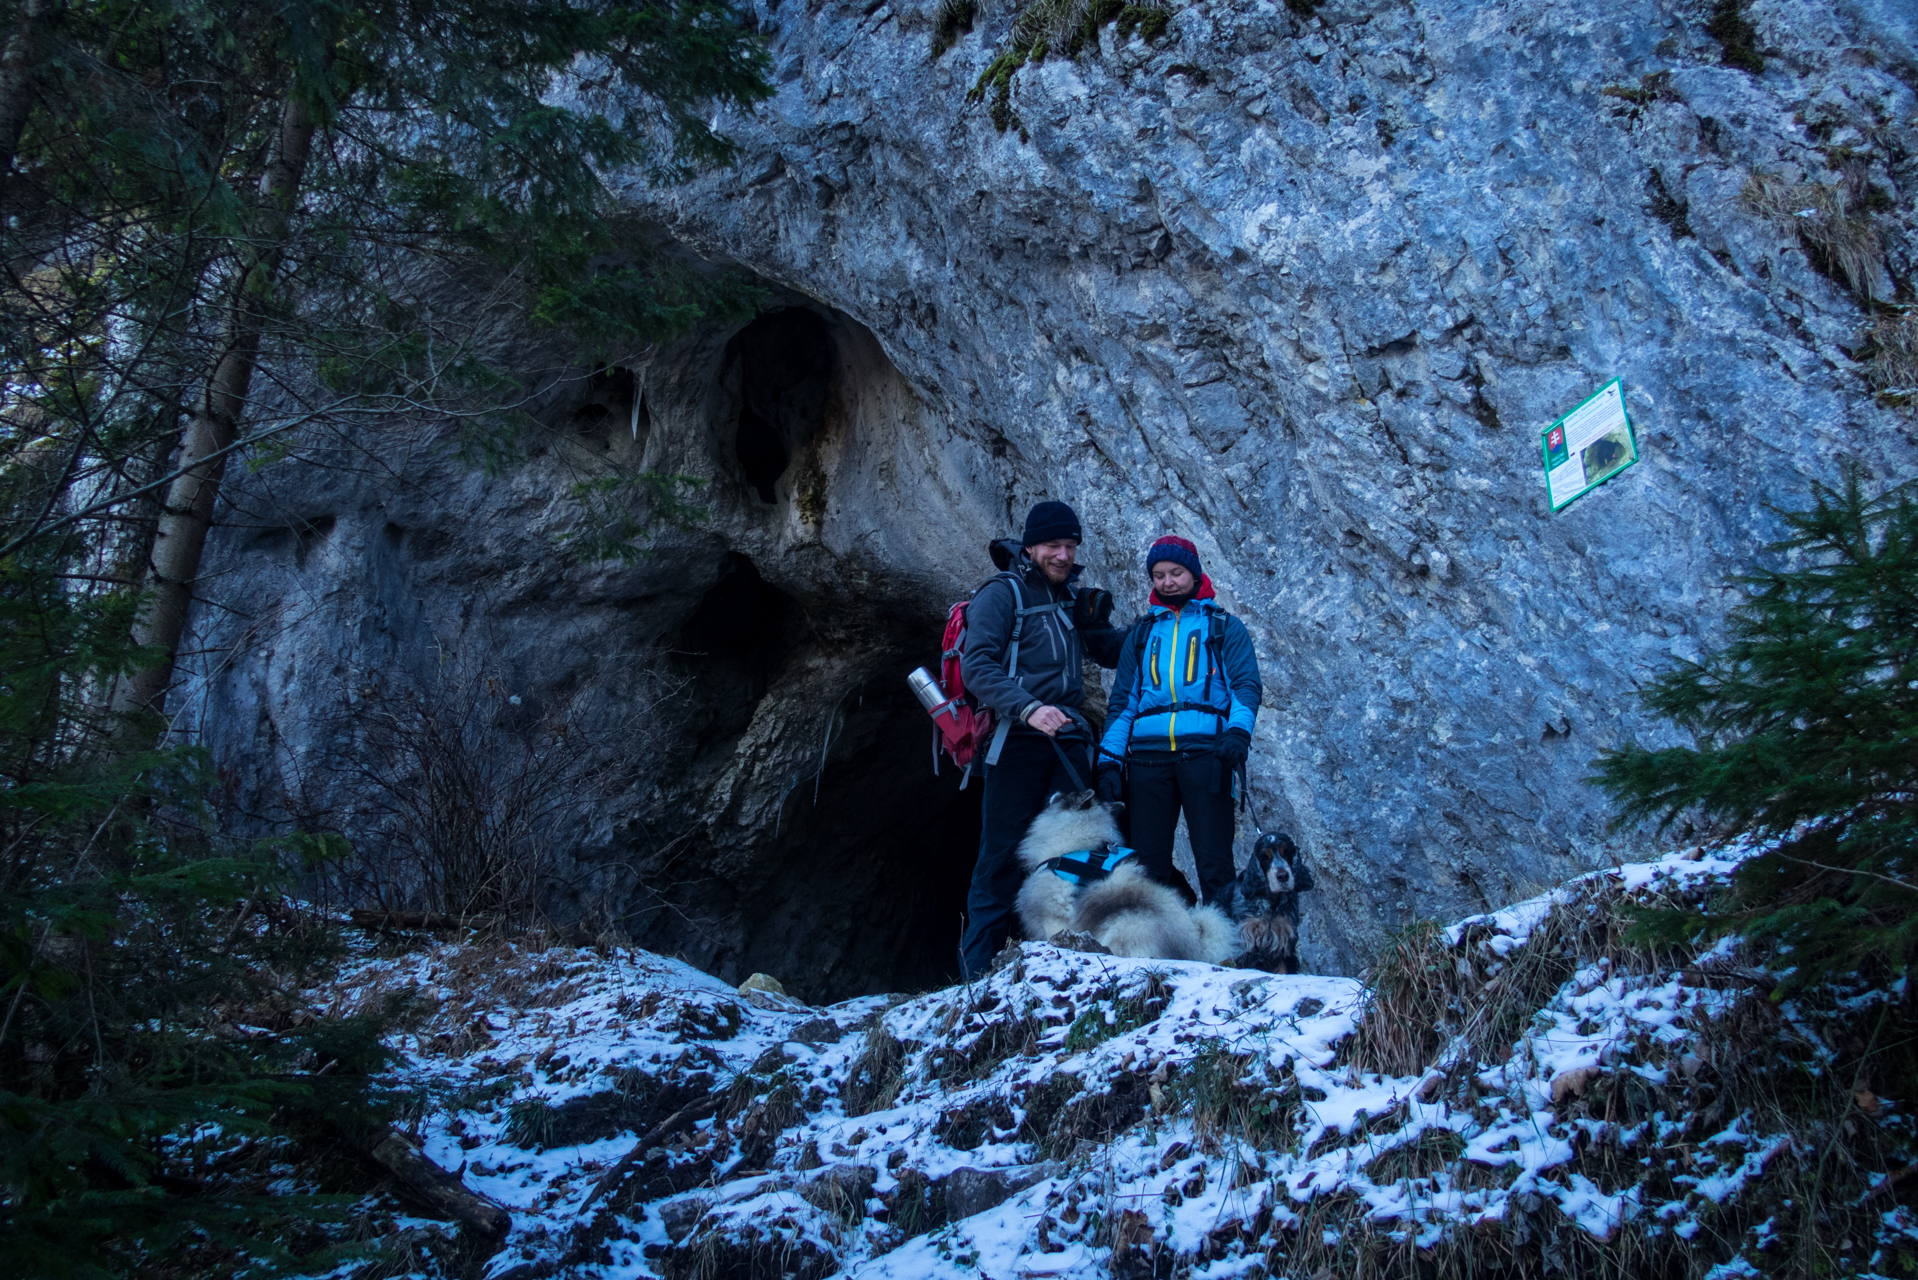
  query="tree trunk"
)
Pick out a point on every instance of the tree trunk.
point(186, 511)
point(17, 64)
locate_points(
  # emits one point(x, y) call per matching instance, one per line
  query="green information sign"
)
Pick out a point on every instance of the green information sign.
point(1588, 446)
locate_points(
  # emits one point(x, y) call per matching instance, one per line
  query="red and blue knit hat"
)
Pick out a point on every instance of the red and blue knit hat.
point(1177, 550)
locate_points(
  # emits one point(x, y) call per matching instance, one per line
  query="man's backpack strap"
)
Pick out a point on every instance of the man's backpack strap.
point(1020, 611)
point(999, 740)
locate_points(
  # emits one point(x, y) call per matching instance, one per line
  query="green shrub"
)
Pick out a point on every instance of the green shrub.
point(1736, 36)
point(1807, 738)
point(1059, 26)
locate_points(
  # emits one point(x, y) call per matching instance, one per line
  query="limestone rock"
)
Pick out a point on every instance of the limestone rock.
point(971, 1191)
point(1304, 289)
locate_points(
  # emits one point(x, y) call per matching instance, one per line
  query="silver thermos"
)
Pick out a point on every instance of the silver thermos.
point(925, 687)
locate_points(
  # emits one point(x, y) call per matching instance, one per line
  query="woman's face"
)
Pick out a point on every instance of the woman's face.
point(1172, 580)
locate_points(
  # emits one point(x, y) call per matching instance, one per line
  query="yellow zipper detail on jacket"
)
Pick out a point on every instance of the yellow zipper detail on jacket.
point(1171, 675)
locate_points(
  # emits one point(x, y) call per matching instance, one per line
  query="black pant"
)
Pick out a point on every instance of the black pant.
point(1158, 785)
point(1017, 788)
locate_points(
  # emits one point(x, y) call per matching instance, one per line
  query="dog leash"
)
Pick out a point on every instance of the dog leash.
point(1077, 727)
point(1078, 783)
point(1245, 794)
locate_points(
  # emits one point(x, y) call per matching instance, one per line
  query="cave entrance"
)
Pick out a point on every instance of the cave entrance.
point(785, 363)
point(879, 852)
point(857, 886)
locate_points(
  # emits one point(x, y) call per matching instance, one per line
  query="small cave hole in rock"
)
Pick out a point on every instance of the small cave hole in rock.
point(784, 362)
point(857, 886)
point(738, 636)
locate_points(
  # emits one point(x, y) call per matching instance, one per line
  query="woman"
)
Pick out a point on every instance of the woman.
point(1179, 722)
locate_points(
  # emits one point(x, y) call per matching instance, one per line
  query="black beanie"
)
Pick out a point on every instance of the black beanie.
point(1049, 521)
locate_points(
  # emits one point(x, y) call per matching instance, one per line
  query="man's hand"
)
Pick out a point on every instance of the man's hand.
point(1049, 720)
point(1234, 746)
point(1111, 784)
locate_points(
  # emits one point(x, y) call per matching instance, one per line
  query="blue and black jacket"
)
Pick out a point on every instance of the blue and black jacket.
point(1184, 678)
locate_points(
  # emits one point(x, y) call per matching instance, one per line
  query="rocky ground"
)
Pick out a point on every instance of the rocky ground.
point(1520, 1092)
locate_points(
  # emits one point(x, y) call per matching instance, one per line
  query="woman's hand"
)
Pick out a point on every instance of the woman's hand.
point(1234, 746)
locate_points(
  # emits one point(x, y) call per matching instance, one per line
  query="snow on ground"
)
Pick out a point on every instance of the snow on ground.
point(1071, 1111)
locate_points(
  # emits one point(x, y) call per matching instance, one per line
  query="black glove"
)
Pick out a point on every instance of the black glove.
point(1111, 784)
point(1234, 746)
point(1092, 607)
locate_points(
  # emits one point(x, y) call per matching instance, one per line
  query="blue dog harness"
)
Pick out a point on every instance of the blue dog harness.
point(1088, 866)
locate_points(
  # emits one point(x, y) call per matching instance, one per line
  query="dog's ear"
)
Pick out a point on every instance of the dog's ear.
point(1085, 800)
point(1053, 800)
point(1115, 807)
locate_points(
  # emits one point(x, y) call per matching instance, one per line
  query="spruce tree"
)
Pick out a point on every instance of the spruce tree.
point(222, 225)
point(1806, 726)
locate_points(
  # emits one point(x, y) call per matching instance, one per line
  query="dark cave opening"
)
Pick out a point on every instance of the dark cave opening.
point(785, 363)
point(861, 887)
point(885, 852)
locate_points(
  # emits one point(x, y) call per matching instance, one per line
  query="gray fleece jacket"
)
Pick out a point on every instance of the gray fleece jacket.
point(1051, 648)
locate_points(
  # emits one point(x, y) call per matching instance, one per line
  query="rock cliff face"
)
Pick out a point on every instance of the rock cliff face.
point(1305, 288)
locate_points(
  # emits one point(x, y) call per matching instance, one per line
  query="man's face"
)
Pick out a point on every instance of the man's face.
point(1054, 558)
point(1172, 580)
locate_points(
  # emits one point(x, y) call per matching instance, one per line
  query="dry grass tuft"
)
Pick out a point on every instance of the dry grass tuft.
point(1128, 1012)
point(530, 1123)
point(1810, 1077)
point(1410, 997)
point(953, 19)
point(1891, 362)
point(1428, 1001)
point(1830, 221)
point(877, 1075)
point(1231, 1096)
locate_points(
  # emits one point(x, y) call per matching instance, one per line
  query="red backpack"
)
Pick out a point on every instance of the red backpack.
point(964, 727)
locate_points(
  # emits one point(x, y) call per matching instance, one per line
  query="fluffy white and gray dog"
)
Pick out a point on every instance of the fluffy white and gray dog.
point(1129, 913)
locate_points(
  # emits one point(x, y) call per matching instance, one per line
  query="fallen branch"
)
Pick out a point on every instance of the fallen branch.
point(589, 1232)
point(1893, 881)
point(441, 1190)
point(685, 1117)
point(1890, 1181)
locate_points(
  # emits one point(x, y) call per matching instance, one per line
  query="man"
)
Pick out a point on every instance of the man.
point(1034, 687)
point(1179, 722)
